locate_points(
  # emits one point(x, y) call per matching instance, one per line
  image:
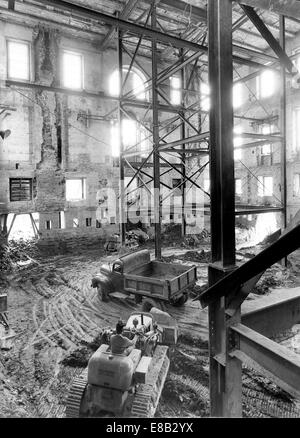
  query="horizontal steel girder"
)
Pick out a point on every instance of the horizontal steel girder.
point(281, 362)
point(193, 139)
point(271, 40)
point(231, 284)
point(137, 29)
point(289, 8)
point(100, 95)
point(273, 314)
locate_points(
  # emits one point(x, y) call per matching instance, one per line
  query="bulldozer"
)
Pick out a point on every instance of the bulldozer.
point(119, 385)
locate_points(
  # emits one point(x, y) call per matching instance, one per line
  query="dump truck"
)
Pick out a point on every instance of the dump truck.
point(120, 385)
point(152, 283)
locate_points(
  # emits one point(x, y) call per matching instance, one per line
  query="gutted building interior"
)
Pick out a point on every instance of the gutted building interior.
point(150, 159)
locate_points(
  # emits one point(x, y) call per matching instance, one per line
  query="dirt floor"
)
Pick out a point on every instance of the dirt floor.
point(56, 316)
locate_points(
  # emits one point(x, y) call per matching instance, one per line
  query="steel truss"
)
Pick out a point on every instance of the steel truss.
point(190, 55)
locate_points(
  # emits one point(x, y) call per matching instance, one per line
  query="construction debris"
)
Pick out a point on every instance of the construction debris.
point(58, 318)
point(190, 256)
point(17, 254)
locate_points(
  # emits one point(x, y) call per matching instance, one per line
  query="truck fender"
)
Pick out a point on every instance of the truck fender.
point(103, 281)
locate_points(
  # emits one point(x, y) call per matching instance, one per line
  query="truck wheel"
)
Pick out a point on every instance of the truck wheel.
point(180, 302)
point(138, 299)
point(102, 292)
point(148, 303)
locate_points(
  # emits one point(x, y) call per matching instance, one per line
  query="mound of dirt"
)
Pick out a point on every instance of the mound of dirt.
point(18, 253)
point(197, 256)
point(78, 358)
point(190, 256)
point(264, 285)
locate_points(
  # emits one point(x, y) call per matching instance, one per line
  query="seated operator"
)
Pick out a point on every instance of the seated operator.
point(119, 344)
point(135, 328)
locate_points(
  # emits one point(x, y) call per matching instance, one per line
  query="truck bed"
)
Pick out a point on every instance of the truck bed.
point(160, 280)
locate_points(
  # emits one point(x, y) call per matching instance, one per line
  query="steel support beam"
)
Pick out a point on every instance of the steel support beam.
point(128, 26)
point(289, 8)
point(183, 155)
point(100, 95)
point(198, 14)
point(187, 177)
point(225, 377)
point(200, 152)
point(281, 362)
point(122, 203)
point(258, 210)
point(156, 162)
point(123, 25)
point(267, 137)
point(124, 14)
point(267, 35)
point(283, 130)
point(194, 139)
point(288, 243)
point(221, 134)
point(273, 314)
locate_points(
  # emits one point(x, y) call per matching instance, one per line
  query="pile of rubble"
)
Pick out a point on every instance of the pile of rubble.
point(189, 256)
point(17, 254)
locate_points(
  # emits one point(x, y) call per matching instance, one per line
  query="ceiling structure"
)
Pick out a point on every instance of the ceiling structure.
point(181, 19)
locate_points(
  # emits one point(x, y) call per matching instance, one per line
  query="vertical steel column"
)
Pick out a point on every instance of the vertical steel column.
point(156, 163)
point(283, 131)
point(225, 373)
point(183, 156)
point(122, 204)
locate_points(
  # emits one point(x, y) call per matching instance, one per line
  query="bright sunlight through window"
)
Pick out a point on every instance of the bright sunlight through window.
point(135, 83)
point(72, 65)
point(18, 60)
point(237, 95)
point(129, 136)
point(75, 189)
point(175, 84)
point(266, 84)
point(204, 96)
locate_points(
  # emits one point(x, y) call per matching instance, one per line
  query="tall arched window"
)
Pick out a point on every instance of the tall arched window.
point(135, 83)
point(133, 134)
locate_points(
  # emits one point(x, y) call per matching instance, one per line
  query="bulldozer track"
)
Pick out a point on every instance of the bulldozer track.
point(75, 396)
point(141, 405)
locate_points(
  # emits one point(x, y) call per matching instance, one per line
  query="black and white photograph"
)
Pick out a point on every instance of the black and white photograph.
point(149, 212)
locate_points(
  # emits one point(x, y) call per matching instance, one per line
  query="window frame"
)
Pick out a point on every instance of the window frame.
point(259, 84)
point(296, 195)
point(237, 193)
point(84, 189)
point(262, 186)
point(237, 95)
point(20, 179)
point(30, 63)
point(205, 100)
point(296, 55)
point(295, 131)
point(72, 52)
point(133, 70)
point(175, 91)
